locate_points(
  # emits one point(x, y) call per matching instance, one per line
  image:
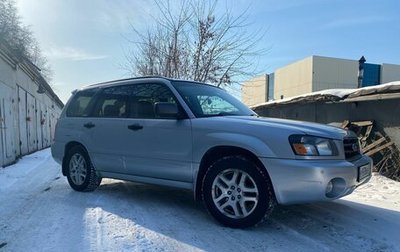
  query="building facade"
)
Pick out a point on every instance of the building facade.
point(255, 91)
point(29, 108)
point(312, 74)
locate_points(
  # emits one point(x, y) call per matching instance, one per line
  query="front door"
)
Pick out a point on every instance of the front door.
point(130, 139)
point(162, 148)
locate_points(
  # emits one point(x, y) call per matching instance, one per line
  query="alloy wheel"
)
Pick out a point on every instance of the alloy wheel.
point(235, 193)
point(77, 169)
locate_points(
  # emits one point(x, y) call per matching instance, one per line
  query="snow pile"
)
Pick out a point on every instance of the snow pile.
point(379, 191)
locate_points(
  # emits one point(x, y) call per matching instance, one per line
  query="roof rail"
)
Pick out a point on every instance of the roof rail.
point(131, 78)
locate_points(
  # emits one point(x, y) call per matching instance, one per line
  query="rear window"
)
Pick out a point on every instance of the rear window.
point(79, 106)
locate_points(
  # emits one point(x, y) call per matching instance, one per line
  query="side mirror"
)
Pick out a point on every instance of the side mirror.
point(166, 110)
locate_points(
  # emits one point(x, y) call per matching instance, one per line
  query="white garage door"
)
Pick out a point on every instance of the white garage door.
point(7, 137)
point(31, 122)
point(23, 134)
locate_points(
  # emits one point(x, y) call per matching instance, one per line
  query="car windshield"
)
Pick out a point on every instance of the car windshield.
point(206, 101)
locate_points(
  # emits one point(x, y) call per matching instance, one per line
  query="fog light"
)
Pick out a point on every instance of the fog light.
point(335, 188)
point(329, 187)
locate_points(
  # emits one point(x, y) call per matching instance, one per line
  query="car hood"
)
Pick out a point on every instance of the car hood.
point(308, 128)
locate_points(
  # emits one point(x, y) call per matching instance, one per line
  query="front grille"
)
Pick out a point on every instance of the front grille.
point(351, 148)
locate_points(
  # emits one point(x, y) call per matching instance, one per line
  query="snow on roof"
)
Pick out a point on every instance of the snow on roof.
point(336, 94)
point(391, 87)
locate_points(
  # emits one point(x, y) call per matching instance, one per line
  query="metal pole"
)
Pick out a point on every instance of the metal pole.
point(361, 62)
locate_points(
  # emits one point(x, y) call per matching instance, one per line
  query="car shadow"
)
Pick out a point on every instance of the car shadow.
point(173, 213)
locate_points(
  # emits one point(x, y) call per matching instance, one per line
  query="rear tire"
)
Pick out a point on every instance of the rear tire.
point(237, 192)
point(81, 174)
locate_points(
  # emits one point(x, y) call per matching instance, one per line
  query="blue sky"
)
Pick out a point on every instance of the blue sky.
point(85, 41)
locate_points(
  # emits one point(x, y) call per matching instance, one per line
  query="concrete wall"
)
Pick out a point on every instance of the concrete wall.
point(27, 118)
point(294, 79)
point(390, 72)
point(254, 91)
point(329, 73)
point(382, 112)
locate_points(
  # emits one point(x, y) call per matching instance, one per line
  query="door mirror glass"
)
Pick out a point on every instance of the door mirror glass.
point(166, 110)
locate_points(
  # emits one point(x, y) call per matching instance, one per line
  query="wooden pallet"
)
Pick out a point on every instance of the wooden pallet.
point(377, 145)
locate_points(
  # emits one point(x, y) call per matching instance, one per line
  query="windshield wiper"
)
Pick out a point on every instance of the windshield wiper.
point(228, 114)
point(222, 114)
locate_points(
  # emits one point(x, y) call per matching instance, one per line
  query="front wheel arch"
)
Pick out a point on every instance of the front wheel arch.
point(218, 152)
point(228, 205)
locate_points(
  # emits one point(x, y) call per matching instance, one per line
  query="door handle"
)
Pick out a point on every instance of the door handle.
point(89, 125)
point(135, 127)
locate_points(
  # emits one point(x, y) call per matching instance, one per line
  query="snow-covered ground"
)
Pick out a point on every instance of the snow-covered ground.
point(39, 212)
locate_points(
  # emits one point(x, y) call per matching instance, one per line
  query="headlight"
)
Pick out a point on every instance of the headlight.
point(312, 146)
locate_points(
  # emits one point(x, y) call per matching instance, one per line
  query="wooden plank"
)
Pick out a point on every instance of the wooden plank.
point(362, 123)
point(374, 144)
point(344, 124)
point(372, 152)
point(367, 132)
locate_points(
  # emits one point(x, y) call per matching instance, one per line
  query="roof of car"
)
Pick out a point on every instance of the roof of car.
point(128, 81)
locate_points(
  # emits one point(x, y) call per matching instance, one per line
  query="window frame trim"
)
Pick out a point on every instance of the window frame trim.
point(95, 100)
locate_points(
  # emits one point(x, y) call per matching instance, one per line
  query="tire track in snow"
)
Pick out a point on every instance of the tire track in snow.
point(326, 225)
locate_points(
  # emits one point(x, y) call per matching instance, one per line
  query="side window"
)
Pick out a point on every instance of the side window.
point(79, 106)
point(112, 103)
point(145, 96)
point(214, 105)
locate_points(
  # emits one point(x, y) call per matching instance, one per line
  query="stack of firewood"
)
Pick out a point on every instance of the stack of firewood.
point(377, 145)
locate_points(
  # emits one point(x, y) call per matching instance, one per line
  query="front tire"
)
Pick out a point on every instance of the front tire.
point(81, 174)
point(237, 192)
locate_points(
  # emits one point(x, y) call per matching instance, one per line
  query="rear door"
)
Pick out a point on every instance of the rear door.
point(109, 122)
point(76, 125)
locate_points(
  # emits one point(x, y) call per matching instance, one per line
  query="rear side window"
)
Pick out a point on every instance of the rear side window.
point(112, 102)
point(79, 106)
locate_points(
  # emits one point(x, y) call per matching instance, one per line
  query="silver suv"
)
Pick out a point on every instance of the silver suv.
point(196, 136)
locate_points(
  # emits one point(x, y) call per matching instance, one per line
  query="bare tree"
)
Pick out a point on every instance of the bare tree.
point(20, 38)
point(36, 56)
point(193, 42)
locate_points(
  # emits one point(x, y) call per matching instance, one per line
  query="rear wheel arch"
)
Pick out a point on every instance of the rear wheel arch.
point(69, 146)
point(218, 152)
point(79, 170)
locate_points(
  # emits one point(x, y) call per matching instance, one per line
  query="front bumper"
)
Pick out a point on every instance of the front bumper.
point(302, 181)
